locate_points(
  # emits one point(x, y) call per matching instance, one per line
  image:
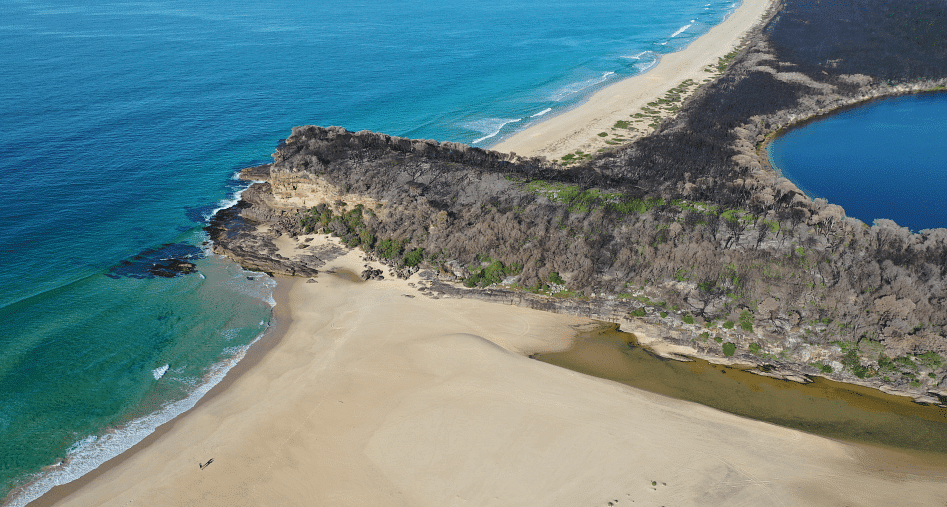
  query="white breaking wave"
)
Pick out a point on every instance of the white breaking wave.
point(226, 203)
point(575, 88)
point(682, 29)
point(253, 284)
point(91, 452)
point(643, 67)
point(490, 127)
point(159, 372)
point(544, 111)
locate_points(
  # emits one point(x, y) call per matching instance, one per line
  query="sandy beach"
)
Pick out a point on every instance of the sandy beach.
point(578, 128)
point(374, 394)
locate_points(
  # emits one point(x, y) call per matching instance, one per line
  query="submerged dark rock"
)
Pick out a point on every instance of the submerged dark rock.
point(166, 261)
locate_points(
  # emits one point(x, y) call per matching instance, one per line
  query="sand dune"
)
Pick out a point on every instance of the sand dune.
point(364, 396)
point(370, 397)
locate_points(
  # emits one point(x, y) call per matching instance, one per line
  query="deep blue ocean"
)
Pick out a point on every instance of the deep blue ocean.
point(886, 159)
point(124, 123)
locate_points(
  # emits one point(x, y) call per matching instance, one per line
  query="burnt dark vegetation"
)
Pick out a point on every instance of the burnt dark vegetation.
point(886, 39)
point(689, 226)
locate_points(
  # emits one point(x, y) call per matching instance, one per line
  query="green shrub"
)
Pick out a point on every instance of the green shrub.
point(640, 312)
point(688, 319)
point(390, 248)
point(704, 336)
point(718, 339)
point(754, 348)
point(494, 273)
point(367, 239)
point(930, 359)
point(728, 324)
point(556, 279)
point(826, 368)
point(729, 349)
point(746, 321)
point(414, 257)
point(664, 315)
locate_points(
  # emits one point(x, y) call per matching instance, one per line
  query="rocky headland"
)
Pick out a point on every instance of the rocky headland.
point(685, 236)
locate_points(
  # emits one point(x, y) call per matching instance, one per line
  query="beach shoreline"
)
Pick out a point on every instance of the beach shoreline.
point(385, 473)
point(280, 321)
point(579, 128)
point(373, 393)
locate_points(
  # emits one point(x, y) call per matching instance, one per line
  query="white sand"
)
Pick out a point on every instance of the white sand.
point(578, 128)
point(374, 398)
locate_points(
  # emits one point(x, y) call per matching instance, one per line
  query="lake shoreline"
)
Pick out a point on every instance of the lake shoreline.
point(347, 405)
point(872, 417)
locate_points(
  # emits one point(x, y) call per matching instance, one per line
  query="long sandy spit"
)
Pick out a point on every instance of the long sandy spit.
point(578, 128)
point(373, 394)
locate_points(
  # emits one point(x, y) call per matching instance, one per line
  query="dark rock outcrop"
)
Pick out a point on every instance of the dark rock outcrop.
point(687, 229)
point(166, 261)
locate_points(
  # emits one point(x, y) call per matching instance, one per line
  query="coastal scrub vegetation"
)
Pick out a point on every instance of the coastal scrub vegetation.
point(689, 217)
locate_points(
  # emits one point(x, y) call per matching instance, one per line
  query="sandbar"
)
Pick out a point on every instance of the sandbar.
point(578, 128)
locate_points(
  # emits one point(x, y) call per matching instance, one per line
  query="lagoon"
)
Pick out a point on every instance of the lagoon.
point(883, 160)
point(823, 407)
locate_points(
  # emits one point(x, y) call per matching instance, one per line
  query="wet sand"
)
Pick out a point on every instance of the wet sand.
point(824, 407)
point(578, 128)
point(370, 397)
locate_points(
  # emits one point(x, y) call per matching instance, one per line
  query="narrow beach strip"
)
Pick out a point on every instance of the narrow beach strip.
point(578, 129)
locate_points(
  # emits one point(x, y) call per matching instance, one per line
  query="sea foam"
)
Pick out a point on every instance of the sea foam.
point(682, 29)
point(490, 127)
point(234, 198)
point(93, 451)
point(159, 372)
point(574, 88)
point(541, 113)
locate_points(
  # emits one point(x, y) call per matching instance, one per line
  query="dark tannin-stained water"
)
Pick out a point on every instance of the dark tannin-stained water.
point(125, 122)
point(885, 159)
point(832, 409)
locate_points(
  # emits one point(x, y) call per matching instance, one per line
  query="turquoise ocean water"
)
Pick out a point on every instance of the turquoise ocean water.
point(886, 159)
point(124, 123)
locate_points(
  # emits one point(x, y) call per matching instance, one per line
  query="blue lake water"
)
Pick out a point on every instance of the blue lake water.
point(886, 159)
point(124, 124)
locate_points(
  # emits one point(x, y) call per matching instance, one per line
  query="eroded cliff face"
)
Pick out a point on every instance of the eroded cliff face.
point(294, 189)
point(791, 293)
point(686, 233)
